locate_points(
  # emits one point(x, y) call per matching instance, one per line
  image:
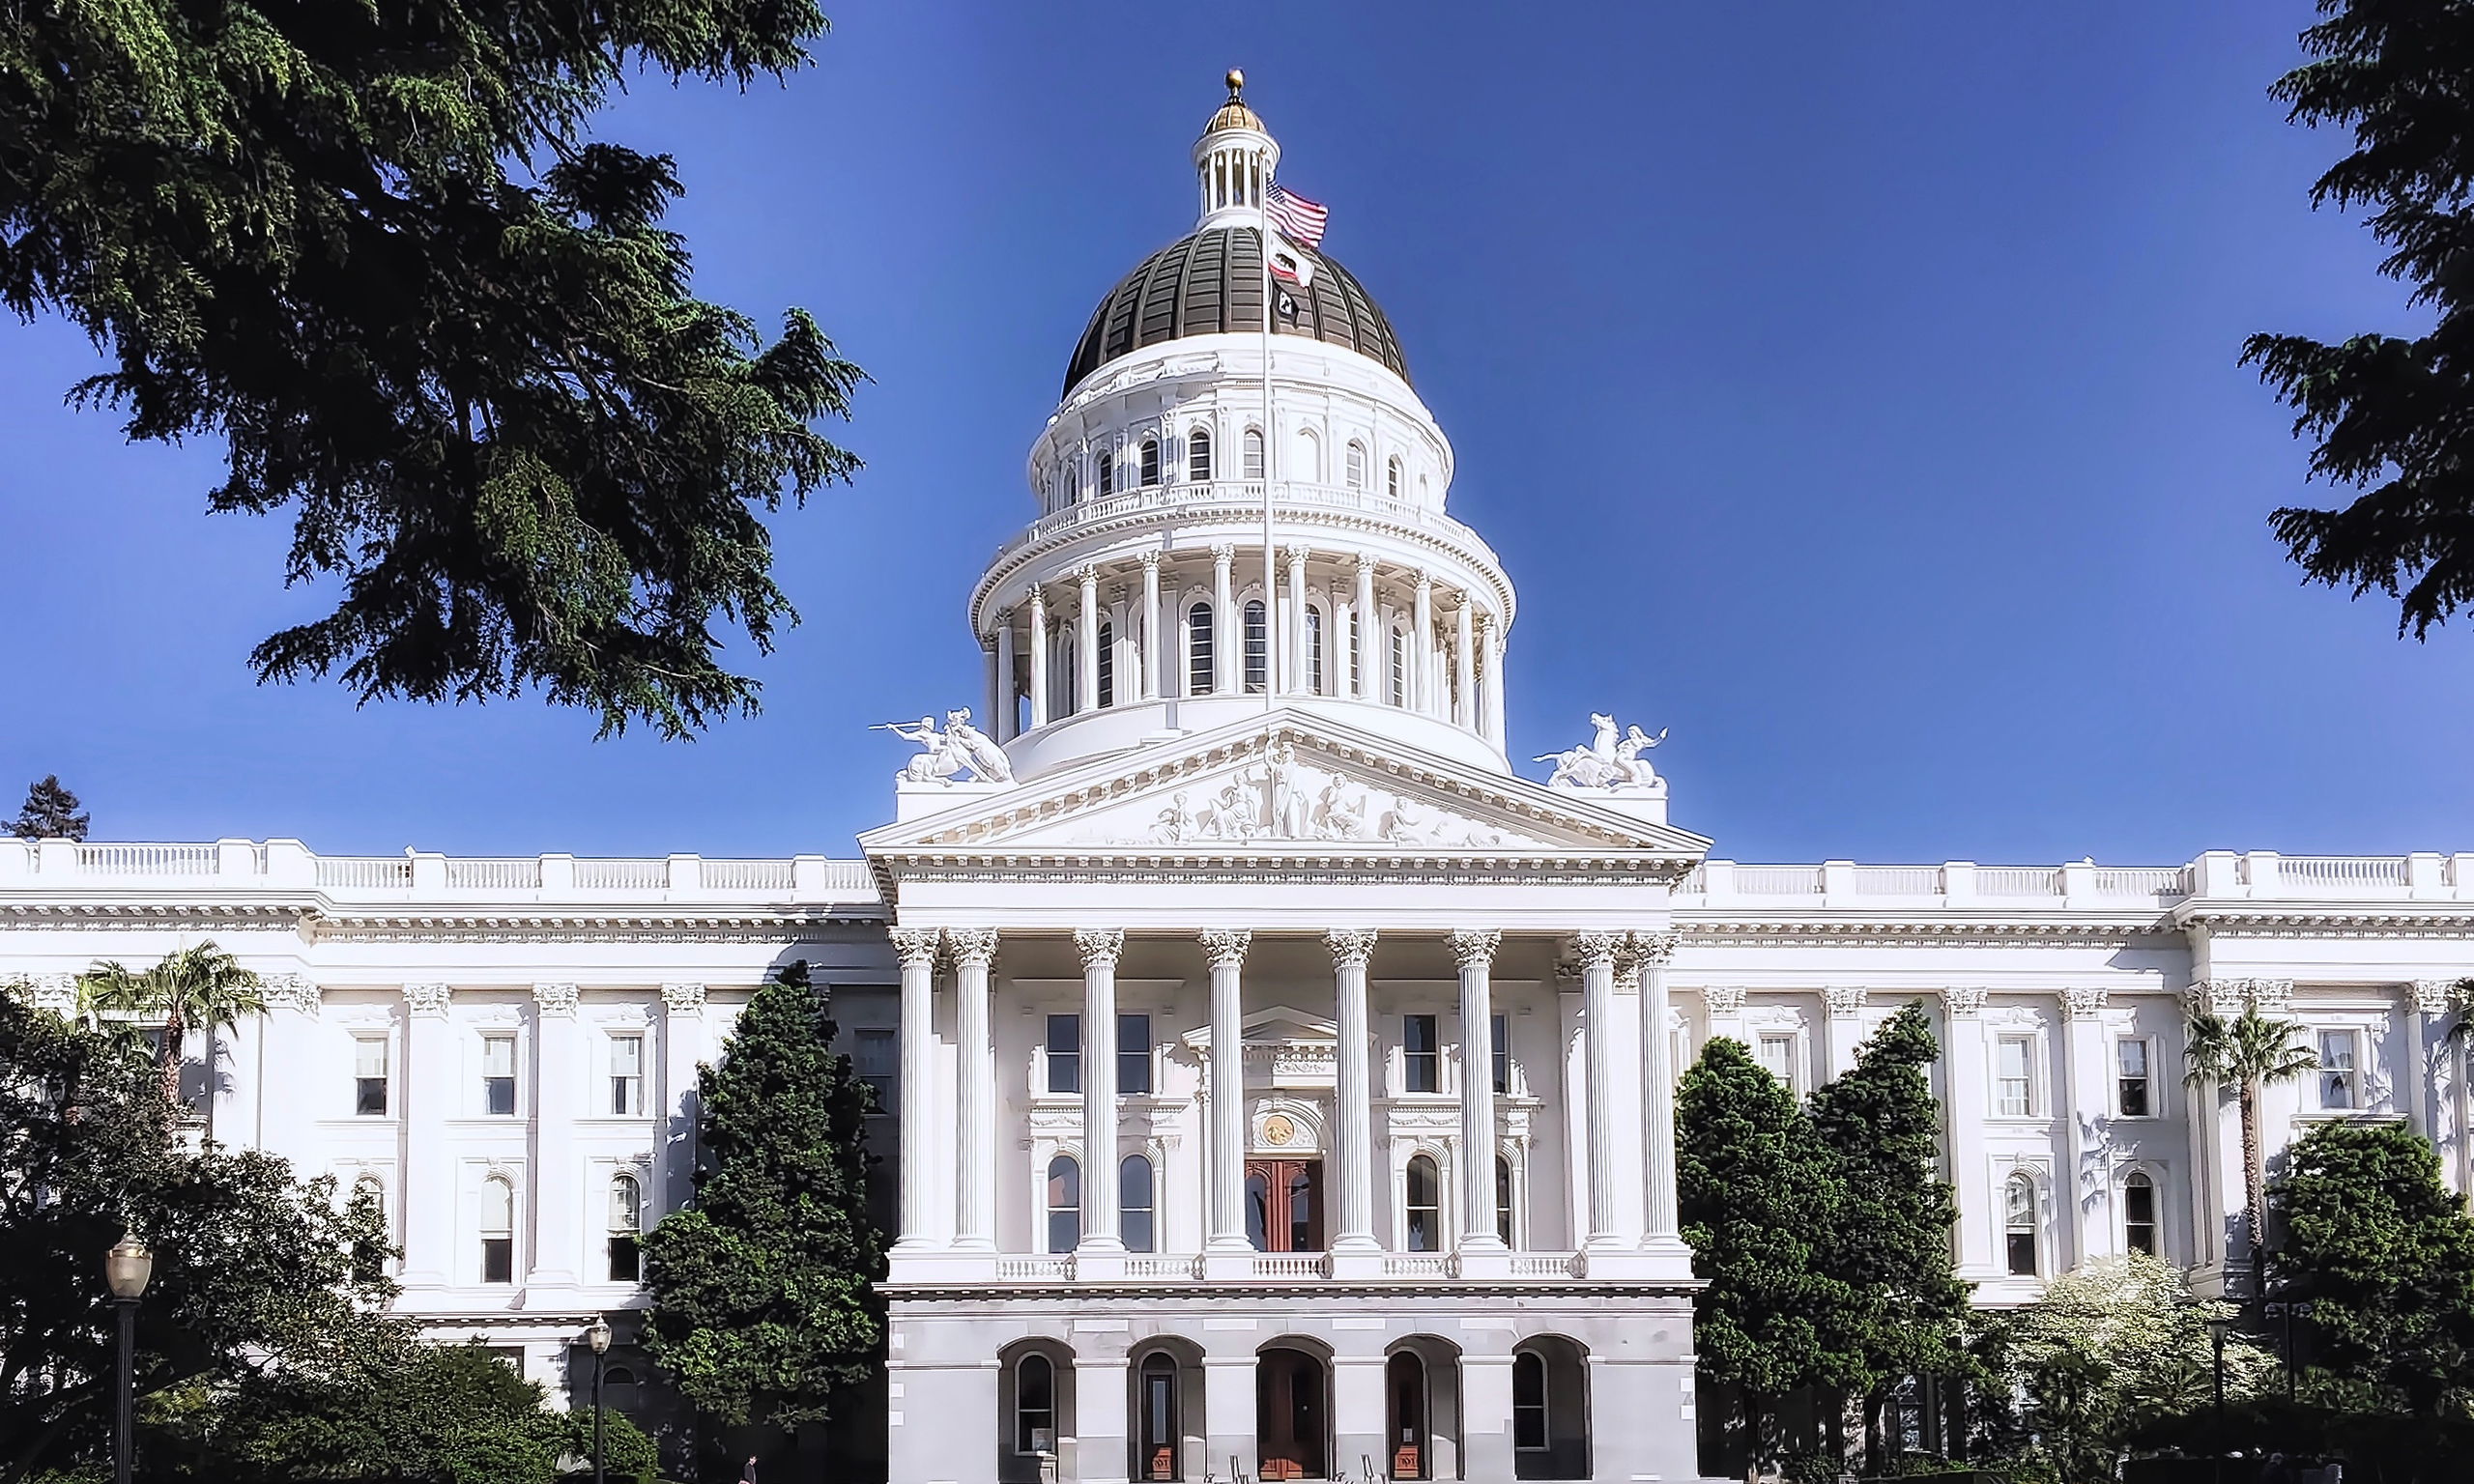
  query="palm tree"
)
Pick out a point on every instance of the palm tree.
point(2251, 1052)
point(196, 987)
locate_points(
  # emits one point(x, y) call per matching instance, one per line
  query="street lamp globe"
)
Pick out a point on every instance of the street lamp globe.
point(598, 1336)
point(126, 1267)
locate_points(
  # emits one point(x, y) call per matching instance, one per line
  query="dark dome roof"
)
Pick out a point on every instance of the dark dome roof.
point(1211, 283)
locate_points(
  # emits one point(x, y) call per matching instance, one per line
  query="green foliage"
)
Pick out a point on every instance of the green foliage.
point(201, 988)
point(2117, 1347)
point(2384, 1253)
point(456, 1414)
point(2247, 1053)
point(253, 1268)
point(764, 1304)
point(369, 248)
point(50, 812)
point(1761, 1201)
point(2391, 414)
point(1891, 1244)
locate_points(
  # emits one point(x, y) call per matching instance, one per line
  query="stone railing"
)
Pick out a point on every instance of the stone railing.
point(1245, 496)
point(1408, 1267)
point(227, 866)
point(2084, 885)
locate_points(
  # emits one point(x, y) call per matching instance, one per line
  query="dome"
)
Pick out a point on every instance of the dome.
point(1210, 283)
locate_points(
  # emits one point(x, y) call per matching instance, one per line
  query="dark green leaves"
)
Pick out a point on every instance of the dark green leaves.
point(528, 454)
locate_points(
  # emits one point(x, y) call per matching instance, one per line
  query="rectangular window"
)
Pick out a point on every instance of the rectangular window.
point(497, 1076)
point(1399, 667)
point(1499, 1031)
point(1355, 688)
point(1108, 658)
point(1776, 1054)
point(1257, 649)
point(2015, 1087)
point(2130, 1059)
point(627, 1076)
point(1198, 652)
point(1418, 1054)
point(1065, 1053)
point(498, 1259)
point(1134, 1054)
point(626, 1259)
point(874, 1058)
point(2338, 1088)
point(369, 1076)
point(2139, 1214)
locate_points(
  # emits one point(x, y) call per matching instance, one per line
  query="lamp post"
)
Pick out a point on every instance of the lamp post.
point(2216, 1327)
point(599, 1337)
point(126, 1268)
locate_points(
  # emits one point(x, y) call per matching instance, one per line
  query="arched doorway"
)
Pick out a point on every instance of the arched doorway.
point(1292, 1416)
point(1406, 1437)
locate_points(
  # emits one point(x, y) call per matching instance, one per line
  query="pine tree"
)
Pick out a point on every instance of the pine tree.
point(50, 812)
point(763, 1303)
point(2384, 1253)
point(1893, 1242)
point(1760, 1199)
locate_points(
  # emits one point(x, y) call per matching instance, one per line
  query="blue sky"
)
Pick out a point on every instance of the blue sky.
point(1851, 389)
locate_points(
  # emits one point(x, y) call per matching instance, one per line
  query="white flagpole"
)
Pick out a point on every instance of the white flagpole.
point(1271, 442)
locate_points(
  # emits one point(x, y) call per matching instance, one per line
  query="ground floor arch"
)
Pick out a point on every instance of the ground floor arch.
point(1035, 1409)
point(1167, 1411)
point(1293, 1410)
point(1550, 1409)
point(1423, 1409)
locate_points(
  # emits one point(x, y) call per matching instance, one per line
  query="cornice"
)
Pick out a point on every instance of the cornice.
point(1745, 931)
point(734, 926)
point(1290, 1292)
point(21, 914)
point(2412, 920)
point(1258, 865)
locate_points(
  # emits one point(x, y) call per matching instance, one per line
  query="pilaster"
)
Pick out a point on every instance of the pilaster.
point(1101, 1251)
point(1226, 1168)
point(1353, 1246)
point(556, 1183)
point(915, 1031)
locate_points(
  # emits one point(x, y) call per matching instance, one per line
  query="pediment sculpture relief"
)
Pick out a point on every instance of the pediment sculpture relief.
point(1283, 798)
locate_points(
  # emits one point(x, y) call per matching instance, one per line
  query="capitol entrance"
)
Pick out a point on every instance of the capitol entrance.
point(1291, 1439)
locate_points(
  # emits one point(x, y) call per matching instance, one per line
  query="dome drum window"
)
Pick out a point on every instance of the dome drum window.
point(1199, 457)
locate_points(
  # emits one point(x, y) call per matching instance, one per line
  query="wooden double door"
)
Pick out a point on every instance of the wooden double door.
point(1284, 1205)
point(1292, 1420)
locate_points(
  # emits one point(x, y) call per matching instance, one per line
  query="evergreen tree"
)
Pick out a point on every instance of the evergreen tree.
point(381, 253)
point(763, 1303)
point(50, 812)
point(2384, 1253)
point(1891, 1245)
point(1761, 1201)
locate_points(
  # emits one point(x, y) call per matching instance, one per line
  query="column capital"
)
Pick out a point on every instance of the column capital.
point(285, 991)
point(1225, 947)
point(2081, 1001)
point(1150, 560)
point(1036, 601)
point(1365, 563)
point(2433, 996)
point(1004, 617)
point(1087, 575)
point(1652, 950)
point(1224, 552)
point(1722, 999)
point(1965, 1002)
point(684, 999)
point(1351, 947)
point(974, 946)
point(1295, 557)
point(1846, 1001)
point(1426, 580)
point(428, 999)
point(55, 992)
point(1594, 948)
point(557, 999)
point(916, 946)
point(1099, 947)
point(1475, 948)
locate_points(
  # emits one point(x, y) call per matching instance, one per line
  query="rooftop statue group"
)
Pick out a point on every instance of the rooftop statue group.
point(961, 748)
point(1606, 761)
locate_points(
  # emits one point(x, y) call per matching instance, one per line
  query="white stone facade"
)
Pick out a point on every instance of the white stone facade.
point(1284, 1082)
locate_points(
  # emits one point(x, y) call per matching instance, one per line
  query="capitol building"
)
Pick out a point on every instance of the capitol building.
point(1280, 1077)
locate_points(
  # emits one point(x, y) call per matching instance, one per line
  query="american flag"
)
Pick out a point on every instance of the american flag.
point(1299, 219)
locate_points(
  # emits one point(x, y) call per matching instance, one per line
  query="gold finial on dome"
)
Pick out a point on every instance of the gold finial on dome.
point(1236, 84)
point(1234, 114)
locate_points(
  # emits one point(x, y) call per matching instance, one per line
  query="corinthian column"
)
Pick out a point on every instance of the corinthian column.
point(1353, 1118)
point(1422, 646)
point(1296, 635)
point(1596, 953)
point(1039, 659)
point(917, 1151)
point(1100, 949)
point(1226, 952)
point(1001, 726)
point(1152, 689)
point(1086, 642)
point(1474, 953)
point(1363, 649)
point(1226, 631)
point(1650, 954)
point(975, 1092)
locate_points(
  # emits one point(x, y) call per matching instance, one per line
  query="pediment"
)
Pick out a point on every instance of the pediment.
point(1286, 785)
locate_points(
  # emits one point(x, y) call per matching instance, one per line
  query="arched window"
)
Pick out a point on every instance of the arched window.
point(1108, 662)
point(1161, 1435)
point(1135, 1213)
point(497, 1230)
point(1314, 651)
point(1035, 1403)
point(1254, 454)
point(1356, 465)
point(2019, 1221)
point(1529, 1401)
point(1150, 462)
point(2139, 1213)
point(618, 1389)
point(1257, 648)
point(1424, 1226)
point(1198, 456)
point(1305, 458)
point(1073, 486)
point(1391, 477)
point(1104, 472)
point(1399, 667)
point(1198, 655)
point(1503, 1200)
point(1354, 687)
point(627, 1221)
point(1550, 1409)
point(368, 1187)
point(1064, 1203)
